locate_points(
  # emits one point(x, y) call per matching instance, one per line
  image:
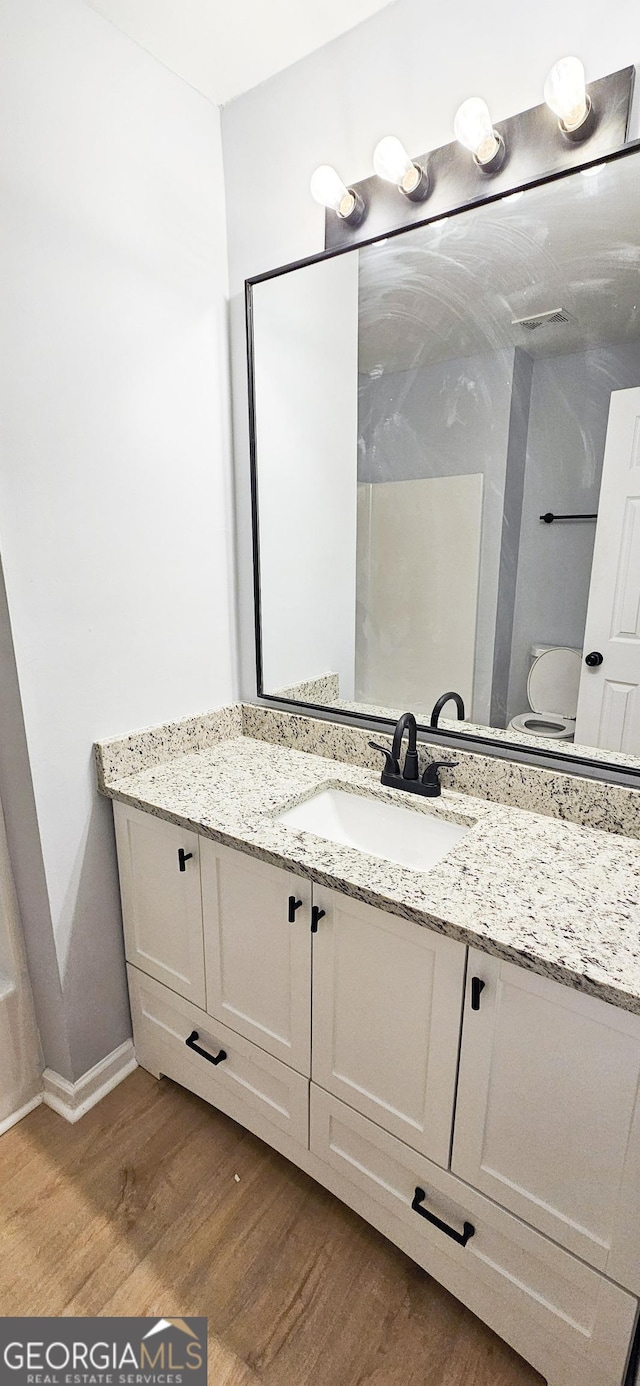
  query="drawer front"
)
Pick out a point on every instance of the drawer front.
point(548, 1296)
point(246, 1081)
point(257, 922)
point(159, 866)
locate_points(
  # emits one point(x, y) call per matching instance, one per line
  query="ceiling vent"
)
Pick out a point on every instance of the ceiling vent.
point(555, 315)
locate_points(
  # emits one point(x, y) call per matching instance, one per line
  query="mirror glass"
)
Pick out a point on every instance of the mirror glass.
point(420, 405)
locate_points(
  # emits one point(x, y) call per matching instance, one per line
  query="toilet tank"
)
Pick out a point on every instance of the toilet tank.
point(536, 650)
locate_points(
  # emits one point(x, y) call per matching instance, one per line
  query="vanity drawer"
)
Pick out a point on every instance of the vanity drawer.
point(247, 1084)
point(568, 1320)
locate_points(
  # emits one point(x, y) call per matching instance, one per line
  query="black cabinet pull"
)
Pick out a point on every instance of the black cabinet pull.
point(316, 915)
point(293, 906)
point(477, 987)
point(468, 1229)
point(212, 1058)
point(183, 858)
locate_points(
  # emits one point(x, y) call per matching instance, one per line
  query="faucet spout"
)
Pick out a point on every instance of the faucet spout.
point(445, 698)
point(406, 723)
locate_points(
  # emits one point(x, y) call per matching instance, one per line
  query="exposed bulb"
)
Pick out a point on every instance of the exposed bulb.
point(473, 127)
point(565, 93)
point(391, 161)
point(329, 190)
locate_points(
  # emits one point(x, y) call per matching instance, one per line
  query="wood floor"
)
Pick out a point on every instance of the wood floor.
point(137, 1210)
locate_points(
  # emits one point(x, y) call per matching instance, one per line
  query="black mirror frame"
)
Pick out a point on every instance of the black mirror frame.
point(559, 760)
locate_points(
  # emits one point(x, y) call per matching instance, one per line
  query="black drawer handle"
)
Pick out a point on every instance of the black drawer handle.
point(212, 1058)
point(293, 906)
point(183, 858)
point(316, 915)
point(468, 1229)
point(477, 988)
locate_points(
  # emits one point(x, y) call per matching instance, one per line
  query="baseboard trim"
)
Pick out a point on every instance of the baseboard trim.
point(73, 1100)
point(22, 1112)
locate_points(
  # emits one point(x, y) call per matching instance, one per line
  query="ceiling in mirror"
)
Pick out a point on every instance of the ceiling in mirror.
point(419, 405)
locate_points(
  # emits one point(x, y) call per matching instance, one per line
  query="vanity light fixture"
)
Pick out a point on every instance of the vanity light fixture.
point(566, 94)
point(329, 190)
point(473, 127)
point(391, 162)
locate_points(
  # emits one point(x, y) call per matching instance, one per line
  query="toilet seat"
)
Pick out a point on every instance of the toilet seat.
point(546, 724)
point(554, 679)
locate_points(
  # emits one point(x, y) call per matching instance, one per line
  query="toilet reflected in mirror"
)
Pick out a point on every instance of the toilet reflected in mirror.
point(552, 691)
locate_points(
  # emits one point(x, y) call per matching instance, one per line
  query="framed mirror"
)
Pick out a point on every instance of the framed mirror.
point(445, 437)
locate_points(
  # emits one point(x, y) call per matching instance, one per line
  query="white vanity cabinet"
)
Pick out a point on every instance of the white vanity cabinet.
point(387, 1000)
point(482, 1117)
point(159, 867)
point(548, 1111)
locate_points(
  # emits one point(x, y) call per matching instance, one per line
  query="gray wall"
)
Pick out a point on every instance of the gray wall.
point(565, 447)
point(25, 852)
point(449, 419)
point(511, 529)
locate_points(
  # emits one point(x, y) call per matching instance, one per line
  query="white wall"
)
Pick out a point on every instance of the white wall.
point(406, 70)
point(306, 384)
point(114, 505)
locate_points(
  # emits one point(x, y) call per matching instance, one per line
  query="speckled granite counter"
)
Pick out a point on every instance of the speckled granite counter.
point(559, 899)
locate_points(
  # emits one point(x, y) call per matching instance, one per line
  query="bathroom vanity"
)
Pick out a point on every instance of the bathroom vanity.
point(454, 1053)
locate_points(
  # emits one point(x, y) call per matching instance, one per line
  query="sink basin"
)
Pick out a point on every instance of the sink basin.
point(402, 835)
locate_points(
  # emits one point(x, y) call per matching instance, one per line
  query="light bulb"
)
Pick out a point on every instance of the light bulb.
point(391, 161)
point(328, 188)
point(565, 93)
point(473, 127)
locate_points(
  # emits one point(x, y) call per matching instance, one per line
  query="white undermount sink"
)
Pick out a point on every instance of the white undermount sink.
point(406, 836)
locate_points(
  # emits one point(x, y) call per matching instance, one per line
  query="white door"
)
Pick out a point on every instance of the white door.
point(159, 867)
point(257, 922)
point(547, 1114)
point(609, 700)
point(387, 997)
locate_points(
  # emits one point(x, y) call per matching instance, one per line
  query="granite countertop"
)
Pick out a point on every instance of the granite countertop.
point(556, 898)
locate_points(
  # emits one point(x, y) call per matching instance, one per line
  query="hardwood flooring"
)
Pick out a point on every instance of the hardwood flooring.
point(137, 1210)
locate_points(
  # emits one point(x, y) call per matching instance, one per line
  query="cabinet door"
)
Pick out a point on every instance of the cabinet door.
point(547, 1119)
point(387, 1000)
point(161, 903)
point(258, 959)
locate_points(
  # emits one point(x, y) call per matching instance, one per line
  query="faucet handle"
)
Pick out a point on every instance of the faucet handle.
point(431, 773)
point(391, 766)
